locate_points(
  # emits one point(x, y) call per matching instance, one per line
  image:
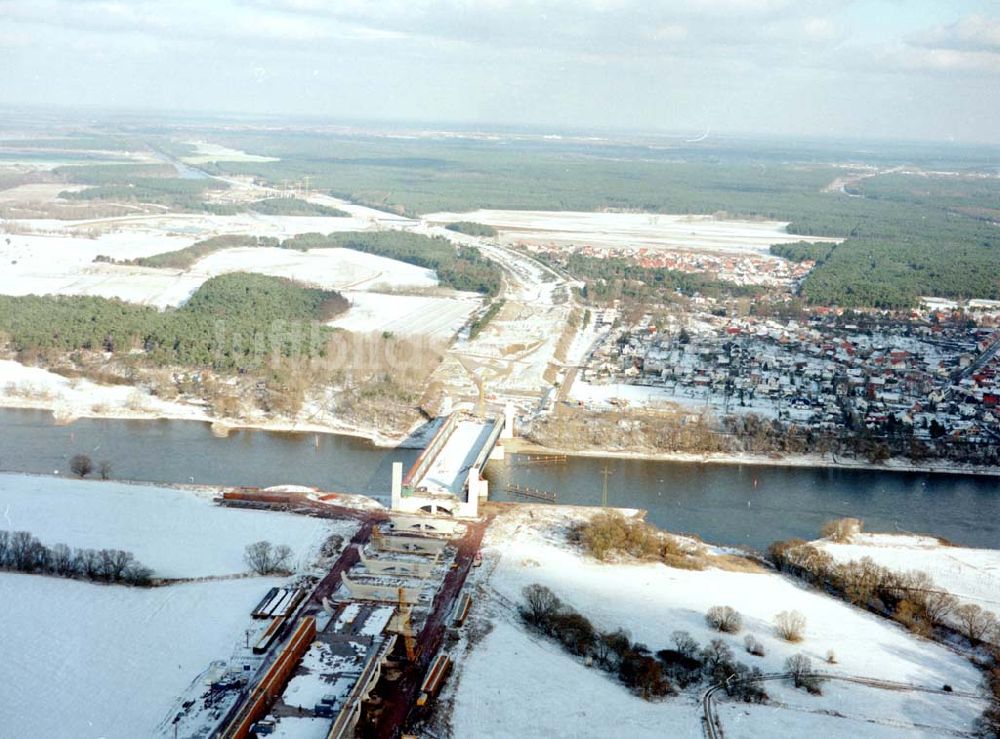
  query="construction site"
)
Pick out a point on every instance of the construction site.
point(357, 652)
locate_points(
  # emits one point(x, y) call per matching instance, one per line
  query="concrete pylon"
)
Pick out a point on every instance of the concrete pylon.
point(397, 485)
point(508, 421)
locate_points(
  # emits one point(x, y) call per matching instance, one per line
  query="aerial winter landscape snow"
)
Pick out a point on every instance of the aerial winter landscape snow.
point(629, 230)
point(150, 521)
point(554, 694)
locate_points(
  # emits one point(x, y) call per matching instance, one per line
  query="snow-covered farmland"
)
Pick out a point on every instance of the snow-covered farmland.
point(87, 660)
point(406, 314)
point(178, 533)
point(512, 671)
point(971, 575)
point(630, 230)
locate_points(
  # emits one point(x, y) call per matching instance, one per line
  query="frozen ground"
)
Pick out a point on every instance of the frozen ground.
point(971, 575)
point(406, 314)
point(630, 230)
point(98, 661)
point(178, 533)
point(535, 687)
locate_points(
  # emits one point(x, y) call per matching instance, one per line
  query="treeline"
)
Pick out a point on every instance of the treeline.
point(232, 322)
point(185, 258)
point(461, 268)
point(471, 228)
point(617, 278)
point(277, 207)
point(20, 551)
point(911, 598)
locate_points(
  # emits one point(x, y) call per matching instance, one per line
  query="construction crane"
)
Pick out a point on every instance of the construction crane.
point(404, 628)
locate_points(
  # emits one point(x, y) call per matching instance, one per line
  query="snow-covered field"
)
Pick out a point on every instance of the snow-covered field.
point(206, 152)
point(543, 692)
point(513, 684)
point(87, 660)
point(630, 230)
point(971, 575)
point(178, 533)
point(64, 265)
point(406, 314)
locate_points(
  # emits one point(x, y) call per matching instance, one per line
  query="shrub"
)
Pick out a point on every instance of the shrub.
point(266, 559)
point(790, 625)
point(725, 619)
point(841, 529)
point(81, 465)
point(753, 645)
point(574, 631)
point(643, 674)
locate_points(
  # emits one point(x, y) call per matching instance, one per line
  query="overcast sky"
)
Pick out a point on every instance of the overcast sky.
point(926, 69)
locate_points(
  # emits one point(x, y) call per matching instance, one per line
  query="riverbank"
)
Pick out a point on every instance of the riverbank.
point(525, 446)
point(71, 399)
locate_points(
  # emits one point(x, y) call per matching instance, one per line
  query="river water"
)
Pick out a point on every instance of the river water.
point(724, 504)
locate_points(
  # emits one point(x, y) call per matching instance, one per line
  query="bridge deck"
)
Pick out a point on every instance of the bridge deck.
point(450, 468)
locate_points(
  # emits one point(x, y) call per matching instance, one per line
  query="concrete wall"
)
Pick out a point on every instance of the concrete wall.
point(409, 544)
point(397, 567)
point(402, 523)
point(383, 593)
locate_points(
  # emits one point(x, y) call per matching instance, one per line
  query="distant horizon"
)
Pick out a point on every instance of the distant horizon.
point(607, 134)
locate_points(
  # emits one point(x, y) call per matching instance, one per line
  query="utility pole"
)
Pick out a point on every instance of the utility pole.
point(606, 472)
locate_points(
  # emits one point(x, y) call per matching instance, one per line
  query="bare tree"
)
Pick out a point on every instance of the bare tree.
point(541, 604)
point(4, 547)
point(790, 625)
point(104, 469)
point(23, 554)
point(724, 618)
point(258, 557)
point(87, 563)
point(81, 465)
point(61, 561)
point(799, 668)
point(685, 643)
point(113, 564)
point(282, 556)
point(974, 622)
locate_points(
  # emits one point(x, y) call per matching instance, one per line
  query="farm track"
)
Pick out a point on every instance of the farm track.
point(713, 726)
